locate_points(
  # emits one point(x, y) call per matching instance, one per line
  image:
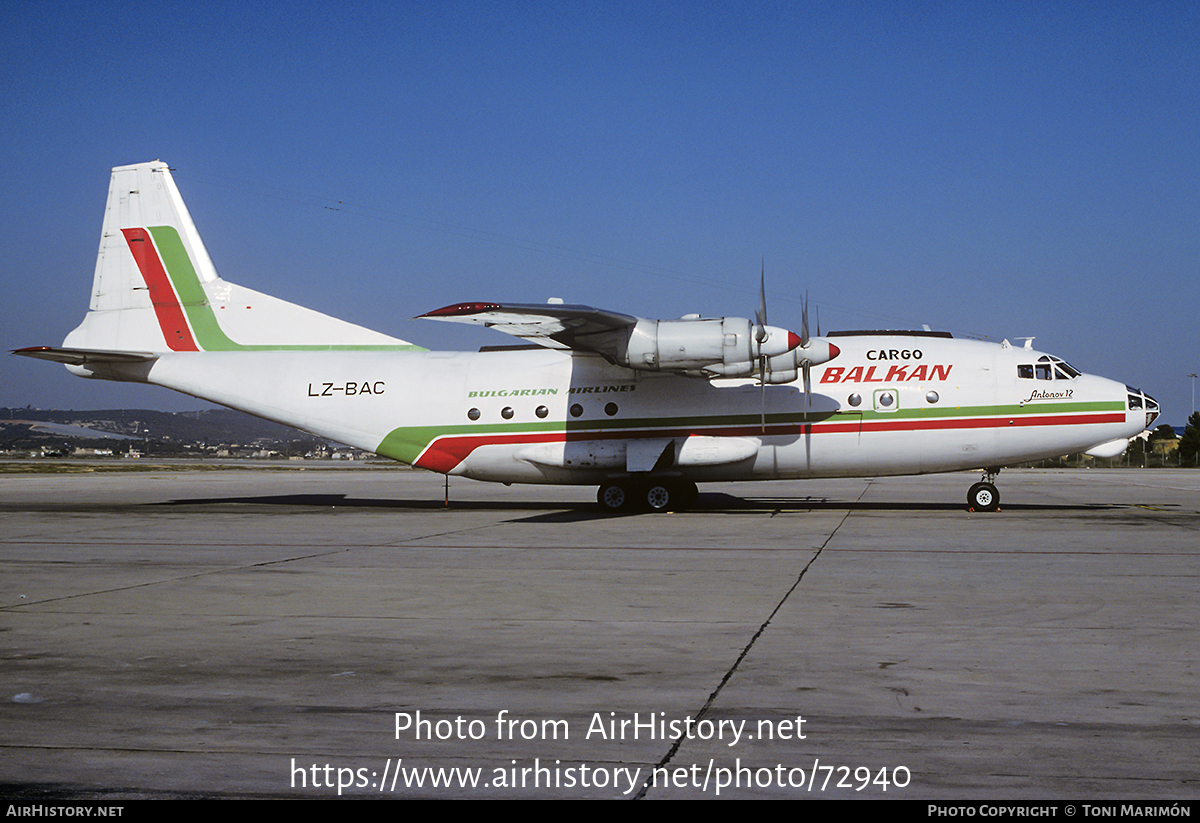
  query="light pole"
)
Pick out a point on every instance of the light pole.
point(1193, 376)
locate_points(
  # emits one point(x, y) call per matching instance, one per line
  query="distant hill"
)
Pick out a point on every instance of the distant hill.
point(210, 427)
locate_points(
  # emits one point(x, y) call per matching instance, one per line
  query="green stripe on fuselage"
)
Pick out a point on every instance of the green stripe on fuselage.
point(407, 442)
point(1010, 410)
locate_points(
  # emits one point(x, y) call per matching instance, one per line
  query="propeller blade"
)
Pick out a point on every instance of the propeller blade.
point(807, 384)
point(760, 335)
point(804, 324)
point(760, 316)
point(762, 379)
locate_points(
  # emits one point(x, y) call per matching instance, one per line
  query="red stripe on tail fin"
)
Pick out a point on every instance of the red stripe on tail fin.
point(162, 294)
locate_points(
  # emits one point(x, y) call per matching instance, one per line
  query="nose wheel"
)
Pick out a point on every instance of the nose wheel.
point(983, 497)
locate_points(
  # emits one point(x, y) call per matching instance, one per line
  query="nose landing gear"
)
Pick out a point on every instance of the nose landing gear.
point(984, 496)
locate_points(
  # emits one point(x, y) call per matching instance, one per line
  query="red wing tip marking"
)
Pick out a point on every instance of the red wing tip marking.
point(459, 309)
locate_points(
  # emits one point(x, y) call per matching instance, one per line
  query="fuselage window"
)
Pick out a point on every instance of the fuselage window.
point(1025, 372)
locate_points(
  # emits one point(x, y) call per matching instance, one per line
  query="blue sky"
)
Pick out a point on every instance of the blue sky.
point(993, 169)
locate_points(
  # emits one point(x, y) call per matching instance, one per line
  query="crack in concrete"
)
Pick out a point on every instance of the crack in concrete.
point(746, 650)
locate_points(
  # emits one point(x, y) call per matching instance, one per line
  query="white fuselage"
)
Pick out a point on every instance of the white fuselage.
point(889, 404)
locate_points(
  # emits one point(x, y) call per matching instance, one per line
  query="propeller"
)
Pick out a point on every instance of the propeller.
point(760, 335)
point(800, 352)
point(805, 365)
point(760, 316)
point(804, 323)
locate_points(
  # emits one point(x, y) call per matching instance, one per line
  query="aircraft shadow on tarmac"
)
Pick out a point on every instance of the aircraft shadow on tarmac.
point(720, 503)
point(708, 503)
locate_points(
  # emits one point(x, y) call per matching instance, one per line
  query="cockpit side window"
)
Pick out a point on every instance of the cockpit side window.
point(1047, 368)
point(1071, 371)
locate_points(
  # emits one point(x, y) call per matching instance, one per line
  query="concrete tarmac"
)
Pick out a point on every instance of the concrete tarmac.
point(258, 633)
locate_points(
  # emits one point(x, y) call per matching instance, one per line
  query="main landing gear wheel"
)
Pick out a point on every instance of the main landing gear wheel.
point(613, 497)
point(659, 496)
point(669, 495)
point(649, 495)
point(983, 497)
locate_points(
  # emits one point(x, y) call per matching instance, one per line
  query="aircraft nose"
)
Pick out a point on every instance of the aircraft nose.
point(1152, 410)
point(1138, 399)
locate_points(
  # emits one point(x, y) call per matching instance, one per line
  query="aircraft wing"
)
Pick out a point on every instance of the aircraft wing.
point(82, 357)
point(554, 325)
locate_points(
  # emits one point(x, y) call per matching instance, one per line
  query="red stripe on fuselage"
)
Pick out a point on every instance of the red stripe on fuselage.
point(444, 453)
point(162, 294)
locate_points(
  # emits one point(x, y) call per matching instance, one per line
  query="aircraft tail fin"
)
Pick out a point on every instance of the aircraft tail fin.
point(156, 289)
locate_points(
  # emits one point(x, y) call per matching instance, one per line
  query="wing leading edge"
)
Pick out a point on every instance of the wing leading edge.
point(692, 345)
point(553, 325)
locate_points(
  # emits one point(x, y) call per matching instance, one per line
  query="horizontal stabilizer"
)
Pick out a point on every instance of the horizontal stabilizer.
point(82, 357)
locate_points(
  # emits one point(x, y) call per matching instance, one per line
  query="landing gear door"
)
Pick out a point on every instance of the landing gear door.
point(643, 455)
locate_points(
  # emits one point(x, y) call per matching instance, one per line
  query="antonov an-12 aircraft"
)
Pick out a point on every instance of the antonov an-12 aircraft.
point(643, 409)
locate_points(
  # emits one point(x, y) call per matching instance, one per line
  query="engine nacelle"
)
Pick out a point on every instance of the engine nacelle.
point(722, 346)
point(786, 367)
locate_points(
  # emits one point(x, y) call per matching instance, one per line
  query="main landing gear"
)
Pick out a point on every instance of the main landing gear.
point(984, 496)
point(656, 494)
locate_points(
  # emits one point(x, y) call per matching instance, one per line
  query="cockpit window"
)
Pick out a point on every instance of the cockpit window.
point(1068, 368)
point(1047, 368)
